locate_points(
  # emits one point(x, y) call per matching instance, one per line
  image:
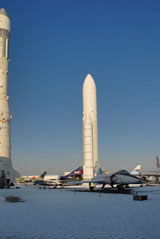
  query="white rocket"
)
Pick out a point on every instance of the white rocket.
point(6, 168)
point(90, 137)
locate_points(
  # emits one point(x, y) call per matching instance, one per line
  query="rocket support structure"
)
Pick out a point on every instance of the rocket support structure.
point(6, 168)
point(90, 135)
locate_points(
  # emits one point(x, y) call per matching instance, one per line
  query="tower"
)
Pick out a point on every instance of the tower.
point(6, 168)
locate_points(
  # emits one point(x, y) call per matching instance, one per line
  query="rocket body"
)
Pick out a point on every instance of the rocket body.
point(90, 136)
point(6, 168)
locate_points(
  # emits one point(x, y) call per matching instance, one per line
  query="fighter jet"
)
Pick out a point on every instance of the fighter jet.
point(121, 178)
point(32, 179)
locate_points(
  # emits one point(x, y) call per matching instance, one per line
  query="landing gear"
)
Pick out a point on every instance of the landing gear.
point(120, 187)
point(103, 185)
point(157, 180)
point(8, 183)
point(91, 187)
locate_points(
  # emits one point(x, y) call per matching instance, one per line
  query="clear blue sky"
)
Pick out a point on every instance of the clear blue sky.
point(53, 46)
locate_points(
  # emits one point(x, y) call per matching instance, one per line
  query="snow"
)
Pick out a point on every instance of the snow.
point(57, 213)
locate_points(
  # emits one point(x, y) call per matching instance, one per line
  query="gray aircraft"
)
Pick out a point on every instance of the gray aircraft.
point(121, 178)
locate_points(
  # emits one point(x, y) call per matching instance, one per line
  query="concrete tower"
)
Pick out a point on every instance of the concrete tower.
point(6, 168)
point(90, 137)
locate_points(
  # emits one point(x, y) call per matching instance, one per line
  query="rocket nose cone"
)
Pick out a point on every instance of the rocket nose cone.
point(89, 81)
point(89, 77)
point(3, 12)
point(89, 95)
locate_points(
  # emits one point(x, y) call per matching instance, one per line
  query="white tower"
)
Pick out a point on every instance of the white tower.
point(90, 137)
point(6, 168)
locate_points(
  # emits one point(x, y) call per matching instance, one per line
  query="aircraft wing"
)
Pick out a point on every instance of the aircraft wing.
point(150, 174)
point(70, 183)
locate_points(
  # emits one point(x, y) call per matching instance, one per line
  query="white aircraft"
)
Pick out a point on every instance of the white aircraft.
point(155, 174)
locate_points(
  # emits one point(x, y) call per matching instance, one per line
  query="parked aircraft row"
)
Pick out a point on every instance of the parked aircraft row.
point(121, 178)
point(75, 175)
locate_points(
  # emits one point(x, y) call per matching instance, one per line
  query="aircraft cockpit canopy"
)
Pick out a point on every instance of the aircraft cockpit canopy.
point(123, 172)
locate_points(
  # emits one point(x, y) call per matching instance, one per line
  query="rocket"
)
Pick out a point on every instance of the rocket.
point(90, 135)
point(6, 168)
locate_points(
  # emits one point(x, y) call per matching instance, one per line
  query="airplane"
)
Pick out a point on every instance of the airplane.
point(121, 178)
point(75, 175)
point(32, 179)
point(155, 174)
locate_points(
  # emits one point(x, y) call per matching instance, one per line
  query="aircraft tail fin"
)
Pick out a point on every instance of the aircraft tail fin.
point(157, 162)
point(43, 175)
point(137, 170)
point(97, 169)
point(77, 172)
point(100, 171)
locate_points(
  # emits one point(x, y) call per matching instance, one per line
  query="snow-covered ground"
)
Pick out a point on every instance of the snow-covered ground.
point(58, 214)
